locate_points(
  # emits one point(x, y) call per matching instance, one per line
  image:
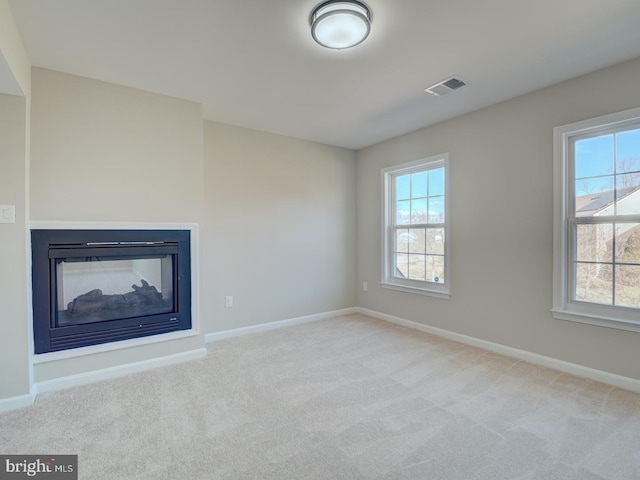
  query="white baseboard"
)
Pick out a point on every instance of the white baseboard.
point(560, 365)
point(13, 403)
point(119, 371)
point(263, 327)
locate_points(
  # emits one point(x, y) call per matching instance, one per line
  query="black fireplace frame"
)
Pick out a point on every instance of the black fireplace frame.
point(47, 246)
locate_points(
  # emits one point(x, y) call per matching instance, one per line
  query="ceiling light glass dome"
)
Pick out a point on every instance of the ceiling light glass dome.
point(340, 24)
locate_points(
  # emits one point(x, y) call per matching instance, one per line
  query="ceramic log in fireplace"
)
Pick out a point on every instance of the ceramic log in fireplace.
point(99, 286)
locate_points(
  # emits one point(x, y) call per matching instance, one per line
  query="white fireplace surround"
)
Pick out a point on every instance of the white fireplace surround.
point(134, 342)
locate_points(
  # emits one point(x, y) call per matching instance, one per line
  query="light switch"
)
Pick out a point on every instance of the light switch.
point(7, 214)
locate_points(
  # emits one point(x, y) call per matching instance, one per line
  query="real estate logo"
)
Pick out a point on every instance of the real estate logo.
point(51, 467)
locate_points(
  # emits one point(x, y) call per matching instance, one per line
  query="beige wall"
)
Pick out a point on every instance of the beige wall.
point(15, 67)
point(280, 227)
point(103, 152)
point(14, 337)
point(106, 153)
point(501, 222)
point(15, 77)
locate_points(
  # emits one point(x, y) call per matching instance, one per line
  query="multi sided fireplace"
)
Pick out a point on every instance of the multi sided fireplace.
point(99, 286)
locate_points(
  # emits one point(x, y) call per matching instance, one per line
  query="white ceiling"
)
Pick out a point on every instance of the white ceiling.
point(254, 64)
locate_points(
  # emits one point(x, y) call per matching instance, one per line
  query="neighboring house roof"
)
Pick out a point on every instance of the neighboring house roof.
point(590, 205)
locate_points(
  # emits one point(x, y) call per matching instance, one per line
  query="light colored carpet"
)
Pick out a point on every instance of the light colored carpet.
point(346, 398)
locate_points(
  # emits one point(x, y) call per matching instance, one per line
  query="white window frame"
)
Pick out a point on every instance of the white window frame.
point(388, 214)
point(564, 307)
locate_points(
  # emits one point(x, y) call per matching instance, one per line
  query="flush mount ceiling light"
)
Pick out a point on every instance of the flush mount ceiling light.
point(340, 24)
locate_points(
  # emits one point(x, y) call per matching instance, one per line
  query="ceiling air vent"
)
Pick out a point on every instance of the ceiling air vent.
point(445, 86)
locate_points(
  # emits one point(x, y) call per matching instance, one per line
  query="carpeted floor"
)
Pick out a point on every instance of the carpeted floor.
point(346, 398)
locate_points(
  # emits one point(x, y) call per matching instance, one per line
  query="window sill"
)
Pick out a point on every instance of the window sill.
point(415, 290)
point(617, 323)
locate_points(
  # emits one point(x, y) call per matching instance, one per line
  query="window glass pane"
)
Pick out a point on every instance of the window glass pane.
point(435, 241)
point(628, 286)
point(403, 210)
point(435, 269)
point(594, 243)
point(436, 182)
point(628, 151)
point(436, 210)
point(594, 283)
point(628, 243)
point(627, 183)
point(402, 240)
point(419, 211)
point(402, 265)
point(628, 194)
point(419, 185)
point(594, 156)
point(594, 196)
point(403, 187)
point(417, 240)
point(417, 267)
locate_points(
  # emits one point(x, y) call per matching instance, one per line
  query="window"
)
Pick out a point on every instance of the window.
point(597, 221)
point(416, 234)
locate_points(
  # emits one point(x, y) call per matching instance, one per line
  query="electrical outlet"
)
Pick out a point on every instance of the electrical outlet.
point(365, 287)
point(228, 301)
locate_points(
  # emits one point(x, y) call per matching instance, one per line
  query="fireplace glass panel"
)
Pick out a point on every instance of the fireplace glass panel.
point(95, 289)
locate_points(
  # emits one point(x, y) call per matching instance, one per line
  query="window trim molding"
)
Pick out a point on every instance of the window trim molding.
point(415, 286)
point(563, 309)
